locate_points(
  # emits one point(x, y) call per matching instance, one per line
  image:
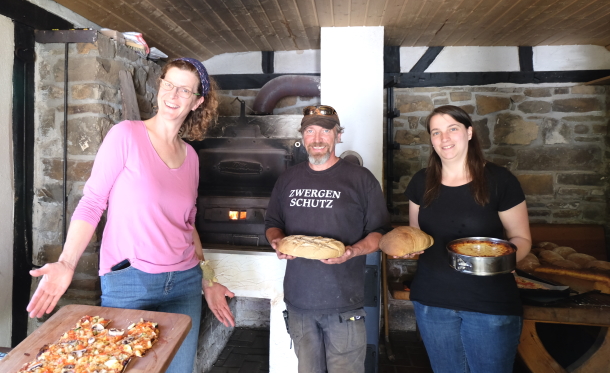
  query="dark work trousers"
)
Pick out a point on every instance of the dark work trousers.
point(331, 342)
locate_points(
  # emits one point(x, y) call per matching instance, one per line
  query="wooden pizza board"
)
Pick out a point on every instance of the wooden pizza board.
point(173, 329)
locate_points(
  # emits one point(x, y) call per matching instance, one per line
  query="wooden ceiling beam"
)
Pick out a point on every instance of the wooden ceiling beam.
point(107, 17)
point(214, 21)
point(579, 20)
point(230, 24)
point(324, 12)
point(479, 14)
point(501, 15)
point(292, 23)
point(264, 21)
point(501, 33)
point(407, 22)
point(526, 32)
point(191, 21)
point(437, 22)
point(309, 19)
point(455, 21)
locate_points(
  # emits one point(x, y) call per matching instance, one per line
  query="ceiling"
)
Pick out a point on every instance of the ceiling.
point(205, 28)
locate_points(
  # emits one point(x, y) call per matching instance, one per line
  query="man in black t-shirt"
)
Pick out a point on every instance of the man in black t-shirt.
point(333, 198)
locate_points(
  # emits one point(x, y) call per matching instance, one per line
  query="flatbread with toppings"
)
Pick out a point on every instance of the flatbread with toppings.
point(92, 347)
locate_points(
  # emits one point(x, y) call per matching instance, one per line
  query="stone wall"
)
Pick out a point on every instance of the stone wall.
point(94, 106)
point(554, 139)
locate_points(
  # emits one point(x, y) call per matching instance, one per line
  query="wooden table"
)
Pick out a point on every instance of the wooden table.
point(531, 349)
point(538, 360)
point(173, 329)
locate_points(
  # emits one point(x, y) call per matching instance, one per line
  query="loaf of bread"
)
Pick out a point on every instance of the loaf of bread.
point(564, 263)
point(576, 273)
point(598, 264)
point(547, 245)
point(581, 259)
point(529, 263)
point(405, 240)
point(564, 251)
point(311, 247)
point(548, 256)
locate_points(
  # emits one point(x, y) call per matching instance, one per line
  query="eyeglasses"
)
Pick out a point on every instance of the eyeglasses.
point(182, 91)
point(322, 110)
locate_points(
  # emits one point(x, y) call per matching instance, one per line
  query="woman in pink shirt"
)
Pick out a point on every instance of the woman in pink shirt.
point(147, 178)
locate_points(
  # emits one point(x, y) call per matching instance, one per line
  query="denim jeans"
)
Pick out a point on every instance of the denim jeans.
point(329, 342)
point(468, 342)
point(173, 292)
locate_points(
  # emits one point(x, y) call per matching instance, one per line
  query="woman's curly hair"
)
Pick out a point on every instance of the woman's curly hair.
point(196, 123)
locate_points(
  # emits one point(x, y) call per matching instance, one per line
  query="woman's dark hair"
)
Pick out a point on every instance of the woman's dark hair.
point(475, 160)
point(197, 122)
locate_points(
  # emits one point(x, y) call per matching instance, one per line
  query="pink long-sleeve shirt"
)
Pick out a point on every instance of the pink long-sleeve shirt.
point(151, 208)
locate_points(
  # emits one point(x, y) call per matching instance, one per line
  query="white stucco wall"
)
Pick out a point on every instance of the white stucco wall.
point(65, 13)
point(409, 57)
point(571, 57)
point(352, 82)
point(291, 62)
point(7, 46)
point(235, 63)
point(475, 59)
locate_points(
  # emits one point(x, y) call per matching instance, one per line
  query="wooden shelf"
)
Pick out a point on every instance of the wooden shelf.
point(600, 81)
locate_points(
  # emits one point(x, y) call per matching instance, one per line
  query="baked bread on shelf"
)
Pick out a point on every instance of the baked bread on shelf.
point(562, 264)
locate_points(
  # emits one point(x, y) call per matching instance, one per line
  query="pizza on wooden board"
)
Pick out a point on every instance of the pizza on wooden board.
point(92, 347)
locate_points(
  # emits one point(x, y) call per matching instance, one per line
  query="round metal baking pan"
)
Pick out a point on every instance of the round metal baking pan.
point(487, 256)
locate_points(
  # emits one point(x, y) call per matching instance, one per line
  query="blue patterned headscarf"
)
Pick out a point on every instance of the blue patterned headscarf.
point(203, 73)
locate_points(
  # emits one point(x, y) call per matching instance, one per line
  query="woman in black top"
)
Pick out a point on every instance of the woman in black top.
point(468, 323)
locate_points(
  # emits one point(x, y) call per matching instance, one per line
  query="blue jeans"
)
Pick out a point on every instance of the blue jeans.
point(468, 342)
point(173, 292)
point(334, 343)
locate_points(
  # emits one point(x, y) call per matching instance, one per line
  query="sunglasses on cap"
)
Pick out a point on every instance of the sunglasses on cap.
point(319, 110)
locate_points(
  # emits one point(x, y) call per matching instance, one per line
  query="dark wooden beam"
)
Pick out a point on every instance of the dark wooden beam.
point(483, 78)
point(391, 60)
point(426, 60)
point(408, 80)
point(268, 58)
point(526, 58)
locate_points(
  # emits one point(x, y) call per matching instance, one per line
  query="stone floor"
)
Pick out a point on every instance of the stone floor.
point(248, 352)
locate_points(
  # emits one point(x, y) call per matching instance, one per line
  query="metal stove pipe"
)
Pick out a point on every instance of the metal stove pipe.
point(284, 86)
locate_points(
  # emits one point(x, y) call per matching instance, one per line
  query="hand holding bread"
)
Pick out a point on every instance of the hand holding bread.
point(405, 240)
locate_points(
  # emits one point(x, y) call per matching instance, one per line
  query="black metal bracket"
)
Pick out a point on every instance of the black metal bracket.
point(391, 80)
point(66, 36)
point(393, 113)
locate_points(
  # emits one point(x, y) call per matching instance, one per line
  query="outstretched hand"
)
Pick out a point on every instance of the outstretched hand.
point(347, 255)
point(56, 277)
point(274, 243)
point(215, 297)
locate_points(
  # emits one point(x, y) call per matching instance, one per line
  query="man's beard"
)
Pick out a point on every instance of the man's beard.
point(319, 158)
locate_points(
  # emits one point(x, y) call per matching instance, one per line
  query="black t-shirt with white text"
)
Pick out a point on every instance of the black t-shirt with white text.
point(344, 202)
point(455, 214)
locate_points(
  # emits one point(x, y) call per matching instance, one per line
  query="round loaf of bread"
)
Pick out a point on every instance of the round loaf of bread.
point(546, 245)
point(564, 251)
point(536, 250)
point(564, 263)
point(581, 259)
point(548, 256)
point(405, 240)
point(529, 263)
point(311, 247)
point(598, 264)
